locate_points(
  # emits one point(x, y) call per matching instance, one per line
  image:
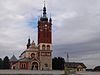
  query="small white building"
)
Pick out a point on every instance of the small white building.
point(76, 66)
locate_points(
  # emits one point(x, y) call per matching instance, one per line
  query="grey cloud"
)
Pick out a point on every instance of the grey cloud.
point(84, 51)
point(76, 27)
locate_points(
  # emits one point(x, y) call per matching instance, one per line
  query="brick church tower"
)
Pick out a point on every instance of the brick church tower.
point(45, 39)
point(37, 57)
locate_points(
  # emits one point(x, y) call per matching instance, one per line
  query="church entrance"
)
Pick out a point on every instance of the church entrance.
point(34, 66)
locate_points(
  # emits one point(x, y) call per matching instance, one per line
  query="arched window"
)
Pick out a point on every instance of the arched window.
point(32, 55)
point(35, 66)
point(48, 47)
point(43, 47)
point(24, 66)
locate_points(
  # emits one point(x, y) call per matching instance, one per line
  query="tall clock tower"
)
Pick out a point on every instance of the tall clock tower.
point(45, 40)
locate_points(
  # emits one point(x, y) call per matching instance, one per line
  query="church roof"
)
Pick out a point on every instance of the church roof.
point(25, 59)
point(13, 58)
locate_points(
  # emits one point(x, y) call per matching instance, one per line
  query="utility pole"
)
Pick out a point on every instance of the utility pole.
point(67, 57)
point(66, 67)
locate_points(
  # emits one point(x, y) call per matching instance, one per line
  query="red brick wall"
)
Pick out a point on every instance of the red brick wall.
point(44, 32)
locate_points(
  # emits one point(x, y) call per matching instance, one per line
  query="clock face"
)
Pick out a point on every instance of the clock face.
point(45, 25)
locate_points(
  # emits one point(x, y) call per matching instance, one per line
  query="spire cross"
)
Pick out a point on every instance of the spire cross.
point(44, 10)
point(50, 15)
point(29, 36)
point(44, 3)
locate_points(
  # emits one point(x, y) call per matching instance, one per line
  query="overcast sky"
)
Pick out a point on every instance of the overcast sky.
point(76, 27)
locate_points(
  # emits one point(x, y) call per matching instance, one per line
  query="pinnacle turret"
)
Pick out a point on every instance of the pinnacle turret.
point(44, 17)
point(28, 44)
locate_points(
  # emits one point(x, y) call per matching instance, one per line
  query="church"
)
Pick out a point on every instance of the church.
point(37, 57)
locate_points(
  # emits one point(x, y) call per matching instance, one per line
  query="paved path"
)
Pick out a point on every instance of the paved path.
point(88, 73)
point(54, 72)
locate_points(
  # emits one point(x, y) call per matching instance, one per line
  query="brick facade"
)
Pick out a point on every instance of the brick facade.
point(38, 57)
